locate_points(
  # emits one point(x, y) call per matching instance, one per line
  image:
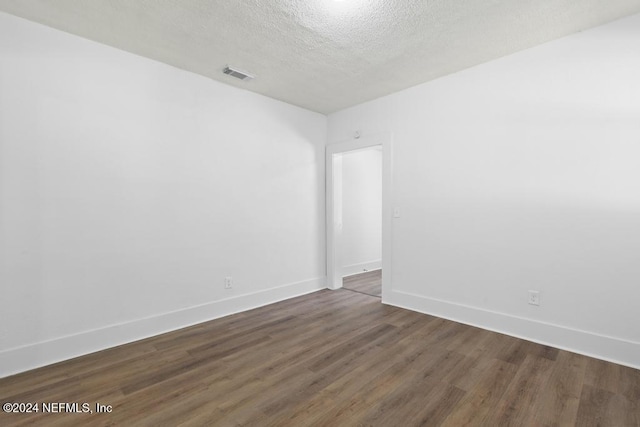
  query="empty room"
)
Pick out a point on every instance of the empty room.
point(320, 213)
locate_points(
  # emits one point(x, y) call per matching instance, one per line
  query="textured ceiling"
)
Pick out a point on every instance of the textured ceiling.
point(324, 55)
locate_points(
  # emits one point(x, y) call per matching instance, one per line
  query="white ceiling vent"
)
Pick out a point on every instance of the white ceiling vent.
point(237, 73)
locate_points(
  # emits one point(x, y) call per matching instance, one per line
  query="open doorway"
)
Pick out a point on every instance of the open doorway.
point(362, 221)
point(359, 215)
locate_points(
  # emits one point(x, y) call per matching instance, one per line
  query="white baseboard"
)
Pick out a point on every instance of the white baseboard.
point(612, 349)
point(13, 361)
point(350, 270)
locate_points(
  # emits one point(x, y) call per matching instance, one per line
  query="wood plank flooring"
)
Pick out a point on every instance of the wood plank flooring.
point(369, 283)
point(332, 358)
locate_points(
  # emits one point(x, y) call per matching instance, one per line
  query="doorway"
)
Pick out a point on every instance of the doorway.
point(362, 221)
point(340, 252)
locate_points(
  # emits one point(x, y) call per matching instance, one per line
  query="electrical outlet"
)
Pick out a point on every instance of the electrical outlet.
point(534, 297)
point(228, 282)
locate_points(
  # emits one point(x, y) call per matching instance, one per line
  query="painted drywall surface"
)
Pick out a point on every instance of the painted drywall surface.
point(361, 210)
point(129, 188)
point(522, 174)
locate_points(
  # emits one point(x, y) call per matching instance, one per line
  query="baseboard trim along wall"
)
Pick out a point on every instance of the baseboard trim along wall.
point(611, 349)
point(350, 270)
point(16, 360)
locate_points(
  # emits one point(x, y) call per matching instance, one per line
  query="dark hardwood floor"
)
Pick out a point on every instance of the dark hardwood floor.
point(332, 358)
point(369, 283)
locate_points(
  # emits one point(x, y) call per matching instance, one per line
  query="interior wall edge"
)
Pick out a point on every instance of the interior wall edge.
point(21, 359)
point(608, 348)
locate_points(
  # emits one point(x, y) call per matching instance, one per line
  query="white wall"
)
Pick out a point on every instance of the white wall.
point(361, 210)
point(128, 191)
point(522, 174)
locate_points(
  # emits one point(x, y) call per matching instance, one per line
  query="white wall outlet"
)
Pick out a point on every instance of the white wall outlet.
point(396, 212)
point(228, 282)
point(534, 297)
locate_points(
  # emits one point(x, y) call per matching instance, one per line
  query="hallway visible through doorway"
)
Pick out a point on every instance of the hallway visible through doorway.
point(369, 283)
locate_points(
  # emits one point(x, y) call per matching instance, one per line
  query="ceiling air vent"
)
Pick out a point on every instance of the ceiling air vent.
point(237, 74)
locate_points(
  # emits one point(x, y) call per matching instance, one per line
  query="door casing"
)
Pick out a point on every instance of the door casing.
point(333, 163)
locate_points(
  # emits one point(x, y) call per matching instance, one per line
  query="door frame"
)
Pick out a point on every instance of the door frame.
point(334, 206)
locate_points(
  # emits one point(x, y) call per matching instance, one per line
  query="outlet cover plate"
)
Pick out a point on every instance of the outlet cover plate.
point(534, 297)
